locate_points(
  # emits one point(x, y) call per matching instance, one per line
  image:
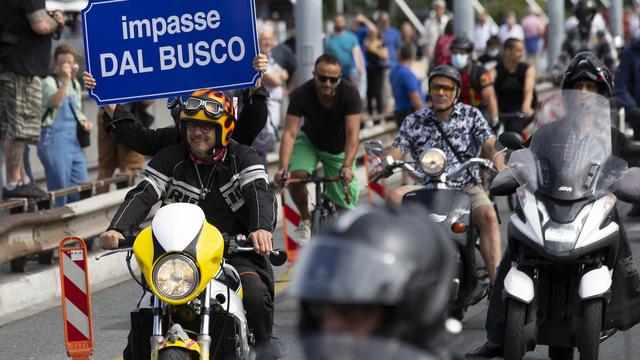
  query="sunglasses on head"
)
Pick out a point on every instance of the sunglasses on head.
point(211, 107)
point(323, 78)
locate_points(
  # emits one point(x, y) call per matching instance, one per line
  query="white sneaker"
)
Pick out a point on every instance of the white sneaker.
point(303, 232)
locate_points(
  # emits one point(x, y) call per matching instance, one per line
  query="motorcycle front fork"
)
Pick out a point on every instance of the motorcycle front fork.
point(204, 339)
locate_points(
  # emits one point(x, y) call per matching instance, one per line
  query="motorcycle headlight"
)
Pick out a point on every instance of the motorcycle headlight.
point(433, 161)
point(175, 276)
point(561, 237)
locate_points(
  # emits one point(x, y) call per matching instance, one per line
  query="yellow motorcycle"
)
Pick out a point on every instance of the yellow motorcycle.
point(192, 307)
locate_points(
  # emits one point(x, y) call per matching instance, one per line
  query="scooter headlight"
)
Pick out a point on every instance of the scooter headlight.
point(561, 237)
point(433, 161)
point(175, 276)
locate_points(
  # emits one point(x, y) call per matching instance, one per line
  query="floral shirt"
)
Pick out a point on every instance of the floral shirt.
point(467, 130)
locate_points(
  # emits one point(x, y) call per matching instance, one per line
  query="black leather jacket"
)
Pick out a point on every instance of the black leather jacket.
point(234, 193)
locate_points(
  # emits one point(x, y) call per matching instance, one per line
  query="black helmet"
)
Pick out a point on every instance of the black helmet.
point(585, 10)
point(587, 66)
point(446, 71)
point(461, 42)
point(395, 258)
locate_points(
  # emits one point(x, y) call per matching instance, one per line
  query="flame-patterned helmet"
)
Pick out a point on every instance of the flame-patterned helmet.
point(211, 107)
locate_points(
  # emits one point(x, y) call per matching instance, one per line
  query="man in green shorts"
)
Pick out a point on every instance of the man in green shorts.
point(331, 109)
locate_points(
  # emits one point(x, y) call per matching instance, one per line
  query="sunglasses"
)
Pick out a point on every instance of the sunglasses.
point(204, 128)
point(435, 88)
point(324, 79)
point(211, 107)
point(174, 101)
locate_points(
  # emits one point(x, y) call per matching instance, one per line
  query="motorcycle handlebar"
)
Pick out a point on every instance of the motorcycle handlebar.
point(240, 244)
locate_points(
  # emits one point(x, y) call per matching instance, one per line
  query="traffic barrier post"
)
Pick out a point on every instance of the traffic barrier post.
point(76, 298)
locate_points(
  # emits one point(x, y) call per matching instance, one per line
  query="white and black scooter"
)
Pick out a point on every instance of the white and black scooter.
point(563, 239)
point(450, 208)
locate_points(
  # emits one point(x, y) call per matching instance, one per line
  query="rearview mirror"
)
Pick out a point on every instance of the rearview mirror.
point(628, 187)
point(631, 148)
point(511, 140)
point(374, 148)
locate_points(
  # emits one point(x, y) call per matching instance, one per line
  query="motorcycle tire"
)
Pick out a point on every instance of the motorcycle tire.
point(175, 353)
point(514, 344)
point(590, 328)
point(560, 353)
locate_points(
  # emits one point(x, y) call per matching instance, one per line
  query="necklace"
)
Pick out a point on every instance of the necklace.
point(204, 190)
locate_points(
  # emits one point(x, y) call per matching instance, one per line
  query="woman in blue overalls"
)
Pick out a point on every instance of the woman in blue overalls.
point(59, 149)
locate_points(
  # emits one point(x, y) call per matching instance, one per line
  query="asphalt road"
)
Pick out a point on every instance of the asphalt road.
point(41, 336)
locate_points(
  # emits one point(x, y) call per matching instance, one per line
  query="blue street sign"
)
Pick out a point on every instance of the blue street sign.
point(146, 49)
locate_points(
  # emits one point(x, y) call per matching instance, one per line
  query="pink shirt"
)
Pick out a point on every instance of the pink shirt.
point(531, 25)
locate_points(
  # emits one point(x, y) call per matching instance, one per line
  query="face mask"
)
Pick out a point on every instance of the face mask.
point(459, 61)
point(493, 53)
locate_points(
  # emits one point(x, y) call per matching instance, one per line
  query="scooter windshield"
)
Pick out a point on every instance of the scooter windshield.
point(571, 149)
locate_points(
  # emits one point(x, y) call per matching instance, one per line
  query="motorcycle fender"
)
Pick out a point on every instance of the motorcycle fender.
point(519, 285)
point(595, 283)
point(190, 345)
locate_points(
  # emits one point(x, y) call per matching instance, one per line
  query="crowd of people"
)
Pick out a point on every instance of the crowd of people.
point(443, 90)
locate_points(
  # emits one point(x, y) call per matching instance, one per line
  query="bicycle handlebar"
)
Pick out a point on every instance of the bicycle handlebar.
point(322, 179)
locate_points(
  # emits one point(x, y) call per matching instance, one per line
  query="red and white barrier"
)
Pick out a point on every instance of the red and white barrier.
point(76, 299)
point(291, 220)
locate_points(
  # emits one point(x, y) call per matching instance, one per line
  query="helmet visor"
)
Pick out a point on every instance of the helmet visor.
point(349, 273)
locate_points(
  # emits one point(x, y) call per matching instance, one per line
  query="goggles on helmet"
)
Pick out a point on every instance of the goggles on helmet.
point(212, 108)
point(174, 101)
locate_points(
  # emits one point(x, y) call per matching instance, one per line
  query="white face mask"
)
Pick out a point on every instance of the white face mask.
point(493, 53)
point(459, 61)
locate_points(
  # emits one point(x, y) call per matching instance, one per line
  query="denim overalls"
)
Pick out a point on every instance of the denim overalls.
point(60, 152)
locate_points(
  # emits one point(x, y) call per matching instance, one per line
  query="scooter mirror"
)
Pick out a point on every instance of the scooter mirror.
point(631, 148)
point(503, 184)
point(511, 140)
point(628, 187)
point(374, 148)
point(278, 257)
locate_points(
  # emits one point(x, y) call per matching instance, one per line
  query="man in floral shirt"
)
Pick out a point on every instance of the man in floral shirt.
point(470, 135)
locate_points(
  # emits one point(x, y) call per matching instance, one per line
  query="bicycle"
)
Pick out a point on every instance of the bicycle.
point(324, 209)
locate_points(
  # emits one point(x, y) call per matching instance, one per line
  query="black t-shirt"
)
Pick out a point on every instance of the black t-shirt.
point(325, 127)
point(31, 55)
point(509, 88)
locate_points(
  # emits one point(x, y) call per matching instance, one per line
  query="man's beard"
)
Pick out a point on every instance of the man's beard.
point(200, 153)
point(327, 92)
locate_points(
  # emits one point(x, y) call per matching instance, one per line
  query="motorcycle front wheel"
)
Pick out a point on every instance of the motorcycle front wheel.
point(514, 344)
point(590, 328)
point(175, 353)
